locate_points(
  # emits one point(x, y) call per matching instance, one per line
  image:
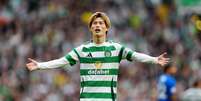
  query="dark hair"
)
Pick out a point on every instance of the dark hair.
point(166, 67)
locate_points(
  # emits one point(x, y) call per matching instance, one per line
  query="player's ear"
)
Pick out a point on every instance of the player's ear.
point(106, 31)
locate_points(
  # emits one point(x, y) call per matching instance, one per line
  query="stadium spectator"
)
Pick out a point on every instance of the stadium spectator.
point(193, 93)
point(167, 84)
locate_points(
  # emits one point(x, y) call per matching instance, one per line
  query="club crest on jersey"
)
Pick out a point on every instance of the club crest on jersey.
point(98, 64)
point(108, 53)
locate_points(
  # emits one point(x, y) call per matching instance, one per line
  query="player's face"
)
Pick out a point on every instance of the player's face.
point(98, 27)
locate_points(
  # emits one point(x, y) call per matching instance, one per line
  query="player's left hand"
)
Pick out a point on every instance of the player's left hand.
point(161, 60)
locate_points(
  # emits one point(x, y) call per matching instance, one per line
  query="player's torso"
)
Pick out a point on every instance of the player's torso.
point(99, 67)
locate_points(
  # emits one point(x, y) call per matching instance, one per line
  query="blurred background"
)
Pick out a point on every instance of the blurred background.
point(49, 29)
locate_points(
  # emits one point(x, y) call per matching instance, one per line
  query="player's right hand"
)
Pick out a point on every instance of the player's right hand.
point(32, 65)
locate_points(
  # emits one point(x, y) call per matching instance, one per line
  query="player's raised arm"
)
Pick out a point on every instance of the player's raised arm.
point(33, 65)
point(161, 59)
point(141, 57)
point(71, 58)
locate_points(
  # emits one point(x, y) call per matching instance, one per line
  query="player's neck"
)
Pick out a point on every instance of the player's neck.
point(99, 40)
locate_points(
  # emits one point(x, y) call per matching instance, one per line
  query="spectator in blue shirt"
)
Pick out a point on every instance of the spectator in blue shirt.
point(167, 84)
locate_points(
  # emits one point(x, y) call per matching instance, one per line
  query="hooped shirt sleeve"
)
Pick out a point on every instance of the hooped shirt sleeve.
point(71, 58)
point(126, 53)
point(131, 55)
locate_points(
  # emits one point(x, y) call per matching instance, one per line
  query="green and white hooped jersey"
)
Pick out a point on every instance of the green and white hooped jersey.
point(99, 68)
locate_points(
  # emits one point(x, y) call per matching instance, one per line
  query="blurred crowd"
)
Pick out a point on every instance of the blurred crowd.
point(49, 29)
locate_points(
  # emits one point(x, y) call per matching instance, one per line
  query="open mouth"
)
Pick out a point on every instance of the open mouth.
point(97, 30)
